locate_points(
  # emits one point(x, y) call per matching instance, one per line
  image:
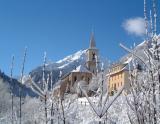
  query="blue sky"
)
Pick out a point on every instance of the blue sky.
point(62, 27)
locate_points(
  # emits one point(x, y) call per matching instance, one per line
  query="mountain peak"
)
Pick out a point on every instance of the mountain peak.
point(76, 57)
point(73, 57)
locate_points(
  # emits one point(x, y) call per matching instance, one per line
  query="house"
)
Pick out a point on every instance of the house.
point(117, 76)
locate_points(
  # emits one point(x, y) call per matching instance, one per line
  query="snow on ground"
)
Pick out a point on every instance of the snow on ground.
point(85, 115)
point(76, 111)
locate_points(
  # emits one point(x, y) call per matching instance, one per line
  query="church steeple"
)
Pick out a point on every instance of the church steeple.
point(92, 41)
point(92, 55)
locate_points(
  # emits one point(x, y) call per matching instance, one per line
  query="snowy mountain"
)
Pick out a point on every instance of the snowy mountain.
point(138, 50)
point(78, 56)
point(63, 66)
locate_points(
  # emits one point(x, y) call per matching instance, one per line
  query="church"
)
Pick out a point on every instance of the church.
point(68, 83)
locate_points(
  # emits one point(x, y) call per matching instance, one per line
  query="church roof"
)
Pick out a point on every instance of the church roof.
point(92, 41)
point(81, 69)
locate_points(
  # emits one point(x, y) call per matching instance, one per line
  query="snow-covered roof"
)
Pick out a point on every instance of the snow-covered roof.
point(115, 72)
point(81, 69)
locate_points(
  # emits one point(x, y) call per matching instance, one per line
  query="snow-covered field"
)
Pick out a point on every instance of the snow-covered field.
point(76, 111)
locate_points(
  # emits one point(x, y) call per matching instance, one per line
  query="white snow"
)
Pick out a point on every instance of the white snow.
point(128, 60)
point(73, 57)
point(81, 69)
point(60, 67)
point(141, 44)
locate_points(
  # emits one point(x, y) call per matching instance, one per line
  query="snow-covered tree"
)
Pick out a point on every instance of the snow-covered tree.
point(103, 102)
point(144, 101)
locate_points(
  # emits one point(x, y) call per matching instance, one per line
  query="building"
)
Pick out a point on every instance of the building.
point(69, 82)
point(92, 56)
point(117, 76)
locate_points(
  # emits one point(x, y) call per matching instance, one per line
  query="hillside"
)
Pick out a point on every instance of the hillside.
point(14, 85)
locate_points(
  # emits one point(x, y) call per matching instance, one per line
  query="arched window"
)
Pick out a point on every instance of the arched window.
point(93, 56)
point(75, 78)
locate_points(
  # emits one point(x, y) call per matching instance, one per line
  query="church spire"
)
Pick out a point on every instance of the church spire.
point(92, 55)
point(92, 41)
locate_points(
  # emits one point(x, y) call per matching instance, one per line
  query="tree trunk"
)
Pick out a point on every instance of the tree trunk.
point(12, 108)
point(52, 113)
point(46, 108)
point(64, 121)
point(20, 104)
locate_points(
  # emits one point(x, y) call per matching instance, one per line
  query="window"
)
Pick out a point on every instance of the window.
point(75, 78)
point(115, 87)
point(82, 78)
point(88, 80)
point(93, 56)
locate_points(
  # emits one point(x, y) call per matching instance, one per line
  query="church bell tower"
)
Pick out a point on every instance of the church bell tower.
point(92, 56)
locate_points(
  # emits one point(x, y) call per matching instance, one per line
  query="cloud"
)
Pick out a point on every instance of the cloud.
point(135, 26)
